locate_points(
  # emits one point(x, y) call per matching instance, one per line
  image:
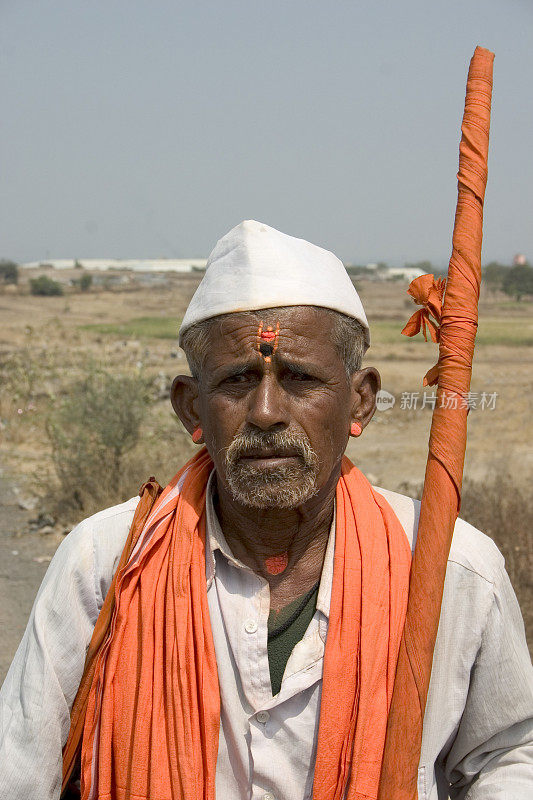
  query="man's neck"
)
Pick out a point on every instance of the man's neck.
point(294, 540)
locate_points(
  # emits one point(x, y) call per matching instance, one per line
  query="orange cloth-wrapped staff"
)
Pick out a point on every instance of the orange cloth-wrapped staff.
point(447, 443)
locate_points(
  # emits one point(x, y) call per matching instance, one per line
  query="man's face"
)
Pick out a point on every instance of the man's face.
point(275, 405)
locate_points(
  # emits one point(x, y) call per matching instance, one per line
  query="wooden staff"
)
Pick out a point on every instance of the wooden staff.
point(442, 484)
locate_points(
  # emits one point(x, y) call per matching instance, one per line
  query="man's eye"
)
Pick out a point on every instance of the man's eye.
point(303, 377)
point(236, 379)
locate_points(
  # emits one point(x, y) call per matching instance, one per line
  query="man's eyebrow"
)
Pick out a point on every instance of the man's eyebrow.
point(298, 368)
point(234, 370)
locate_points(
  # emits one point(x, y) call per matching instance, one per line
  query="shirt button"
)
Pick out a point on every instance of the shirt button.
point(250, 626)
point(263, 716)
point(268, 796)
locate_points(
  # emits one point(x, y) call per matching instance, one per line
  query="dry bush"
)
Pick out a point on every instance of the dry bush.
point(91, 431)
point(163, 449)
point(504, 511)
point(107, 437)
point(26, 374)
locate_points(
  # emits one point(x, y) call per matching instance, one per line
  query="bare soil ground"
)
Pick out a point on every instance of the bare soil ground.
point(50, 341)
point(24, 558)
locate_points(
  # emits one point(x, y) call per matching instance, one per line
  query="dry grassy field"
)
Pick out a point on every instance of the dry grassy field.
point(48, 344)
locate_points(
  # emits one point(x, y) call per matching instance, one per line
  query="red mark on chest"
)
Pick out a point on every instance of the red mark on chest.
point(275, 565)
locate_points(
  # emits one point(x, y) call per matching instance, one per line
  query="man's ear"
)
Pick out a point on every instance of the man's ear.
point(365, 384)
point(184, 399)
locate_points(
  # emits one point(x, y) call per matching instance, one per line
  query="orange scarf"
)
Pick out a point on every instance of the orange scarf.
point(152, 723)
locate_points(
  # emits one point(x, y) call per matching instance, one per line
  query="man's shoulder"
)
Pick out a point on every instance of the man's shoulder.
point(94, 546)
point(471, 549)
point(113, 515)
point(108, 526)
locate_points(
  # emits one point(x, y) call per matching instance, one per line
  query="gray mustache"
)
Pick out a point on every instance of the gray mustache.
point(282, 442)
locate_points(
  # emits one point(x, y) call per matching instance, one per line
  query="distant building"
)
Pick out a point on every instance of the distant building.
point(403, 273)
point(381, 272)
point(136, 264)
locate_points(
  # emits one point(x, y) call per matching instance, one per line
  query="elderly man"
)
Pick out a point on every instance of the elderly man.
point(252, 648)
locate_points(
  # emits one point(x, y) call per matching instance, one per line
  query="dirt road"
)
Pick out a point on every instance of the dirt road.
point(24, 559)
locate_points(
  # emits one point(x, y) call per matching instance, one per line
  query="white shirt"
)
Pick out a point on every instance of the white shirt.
point(478, 725)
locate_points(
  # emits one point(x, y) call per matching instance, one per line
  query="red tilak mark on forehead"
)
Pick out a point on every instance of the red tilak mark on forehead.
point(275, 565)
point(267, 341)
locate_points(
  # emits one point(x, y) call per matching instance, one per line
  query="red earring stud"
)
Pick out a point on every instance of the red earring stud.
point(356, 429)
point(197, 435)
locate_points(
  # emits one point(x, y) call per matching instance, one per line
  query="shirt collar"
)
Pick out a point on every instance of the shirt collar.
point(215, 540)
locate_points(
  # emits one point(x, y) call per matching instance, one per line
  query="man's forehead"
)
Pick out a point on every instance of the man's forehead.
point(291, 323)
point(296, 332)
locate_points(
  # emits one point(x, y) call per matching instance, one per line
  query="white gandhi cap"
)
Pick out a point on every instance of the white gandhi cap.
point(255, 266)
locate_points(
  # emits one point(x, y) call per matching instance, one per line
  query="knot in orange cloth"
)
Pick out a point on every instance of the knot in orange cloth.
point(153, 716)
point(426, 292)
point(429, 293)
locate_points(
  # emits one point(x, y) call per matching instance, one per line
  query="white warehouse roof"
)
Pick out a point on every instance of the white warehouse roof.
point(135, 264)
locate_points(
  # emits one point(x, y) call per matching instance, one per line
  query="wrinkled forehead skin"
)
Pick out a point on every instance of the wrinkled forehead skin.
point(300, 334)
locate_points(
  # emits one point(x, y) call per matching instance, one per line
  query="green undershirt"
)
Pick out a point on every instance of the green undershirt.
point(286, 628)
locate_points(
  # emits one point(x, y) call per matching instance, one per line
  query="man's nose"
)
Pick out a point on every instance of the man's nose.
point(268, 406)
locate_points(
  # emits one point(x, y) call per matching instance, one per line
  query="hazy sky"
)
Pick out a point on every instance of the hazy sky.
point(139, 129)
